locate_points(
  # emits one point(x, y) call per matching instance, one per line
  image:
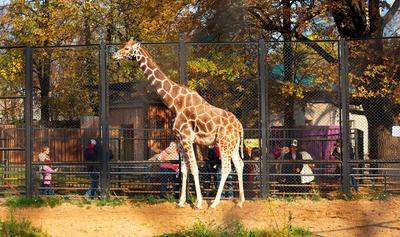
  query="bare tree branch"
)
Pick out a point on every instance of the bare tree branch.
point(392, 11)
point(327, 56)
point(266, 23)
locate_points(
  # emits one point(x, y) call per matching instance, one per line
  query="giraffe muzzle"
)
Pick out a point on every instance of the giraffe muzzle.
point(117, 56)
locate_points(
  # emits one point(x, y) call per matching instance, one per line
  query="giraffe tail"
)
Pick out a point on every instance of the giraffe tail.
point(241, 142)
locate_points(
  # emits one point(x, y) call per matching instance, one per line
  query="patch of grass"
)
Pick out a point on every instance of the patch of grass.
point(20, 228)
point(151, 199)
point(170, 198)
point(340, 196)
point(81, 202)
point(191, 200)
point(54, 201)
point(148, 199)
point(378, 195)
point(237, 229)
point(20, 202)
point(109, 202)
point(315, 197)
point(372, 194)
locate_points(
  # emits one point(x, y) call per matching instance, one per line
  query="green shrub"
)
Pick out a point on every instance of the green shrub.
point(237, 229)
point(12, 227)
point(17, 202)
point(20, 202)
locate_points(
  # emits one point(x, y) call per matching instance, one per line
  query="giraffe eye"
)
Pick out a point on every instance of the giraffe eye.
point(126, 48)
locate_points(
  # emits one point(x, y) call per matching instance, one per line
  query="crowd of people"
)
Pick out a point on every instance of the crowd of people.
point(292, 172)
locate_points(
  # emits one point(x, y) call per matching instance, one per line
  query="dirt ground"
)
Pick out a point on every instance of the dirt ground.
point(325, 218)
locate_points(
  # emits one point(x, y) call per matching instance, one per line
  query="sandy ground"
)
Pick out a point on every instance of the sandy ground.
point(325, 218)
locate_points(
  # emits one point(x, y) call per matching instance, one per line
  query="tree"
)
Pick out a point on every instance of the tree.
point(61, 22)
point(41, 23)
point(373, 81)
point(375, 75)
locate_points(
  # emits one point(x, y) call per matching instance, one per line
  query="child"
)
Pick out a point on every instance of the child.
point(45, 172)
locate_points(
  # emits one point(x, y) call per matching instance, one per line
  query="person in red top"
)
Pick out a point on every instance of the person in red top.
point(169, 171)
point(91, 154)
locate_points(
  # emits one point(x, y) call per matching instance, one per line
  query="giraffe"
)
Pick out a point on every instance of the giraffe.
point(196, 121)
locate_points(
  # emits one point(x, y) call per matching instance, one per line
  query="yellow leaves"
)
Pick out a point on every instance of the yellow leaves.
point(375, 81)
point(374, 70)
point(290, 89)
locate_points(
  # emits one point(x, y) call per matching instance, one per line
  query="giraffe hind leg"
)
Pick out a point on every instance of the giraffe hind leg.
point(238, 163)
point(225, 170)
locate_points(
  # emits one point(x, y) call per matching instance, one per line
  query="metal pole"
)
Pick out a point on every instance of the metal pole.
point(263, 111)
point(345, 134)
point(182, 62)
point(28, 122)
point(104, 122)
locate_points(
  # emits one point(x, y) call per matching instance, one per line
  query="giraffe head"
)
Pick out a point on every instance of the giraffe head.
point(129, 50)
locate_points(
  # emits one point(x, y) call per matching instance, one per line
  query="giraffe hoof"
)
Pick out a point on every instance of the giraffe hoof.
point(198, 206)
point(239, 205)
point(214, 205)
point(181, 205)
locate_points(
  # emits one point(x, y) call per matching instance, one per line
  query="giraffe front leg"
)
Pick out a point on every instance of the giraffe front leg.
point(189, 153)
point(195, 172)
point(184, 172)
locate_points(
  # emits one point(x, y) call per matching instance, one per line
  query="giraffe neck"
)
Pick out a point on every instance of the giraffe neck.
point(158, 80)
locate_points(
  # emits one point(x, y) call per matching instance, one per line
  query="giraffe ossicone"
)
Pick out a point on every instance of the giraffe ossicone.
point(196, 121)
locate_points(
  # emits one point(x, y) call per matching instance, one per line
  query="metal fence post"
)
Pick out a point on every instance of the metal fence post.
point(182, 62)
point(28, 122)
point(104, 122)
point(263, 123)
point(345, 134)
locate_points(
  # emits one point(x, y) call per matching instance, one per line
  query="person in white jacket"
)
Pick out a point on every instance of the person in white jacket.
point(307, 171)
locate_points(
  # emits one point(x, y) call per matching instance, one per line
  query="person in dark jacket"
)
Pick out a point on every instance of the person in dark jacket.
point(211, 171)
point(292, 170)
point(92, 154)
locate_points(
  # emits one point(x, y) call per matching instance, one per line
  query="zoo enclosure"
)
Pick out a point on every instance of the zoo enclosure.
point(62, 96)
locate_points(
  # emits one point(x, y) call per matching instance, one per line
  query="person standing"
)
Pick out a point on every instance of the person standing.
point(306, 171)
point(292, 170)
point(169, 171)
point(46, 171)
point(91, 155)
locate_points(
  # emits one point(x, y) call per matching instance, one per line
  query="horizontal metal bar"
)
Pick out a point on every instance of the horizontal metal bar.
point(12, 47)
point(375, 161)
point(392, 169)
point(67, 163)
point(254, 43)
point(12, 97)
point(375, 175)
point(12, 149)
point(67, 172)
point(67, 46)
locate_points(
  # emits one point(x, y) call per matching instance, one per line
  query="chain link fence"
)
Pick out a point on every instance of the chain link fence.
point(12, 133)
point(289, 96)
point(304, 116)
point(374, 75)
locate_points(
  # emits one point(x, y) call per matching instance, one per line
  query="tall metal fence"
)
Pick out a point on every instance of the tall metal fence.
point(336, 100)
